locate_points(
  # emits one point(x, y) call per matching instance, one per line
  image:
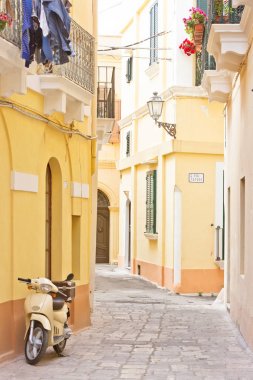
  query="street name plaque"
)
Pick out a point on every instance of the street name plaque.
point(196, 177)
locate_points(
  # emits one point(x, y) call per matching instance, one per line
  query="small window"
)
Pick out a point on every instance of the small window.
point(129, 70)
point(153, 34)
point(128, 144)
point(151, 202)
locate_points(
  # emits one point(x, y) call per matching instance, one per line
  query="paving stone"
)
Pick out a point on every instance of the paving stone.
point(143, 332)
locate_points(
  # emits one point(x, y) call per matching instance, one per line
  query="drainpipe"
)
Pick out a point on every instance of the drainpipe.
point(94, 166)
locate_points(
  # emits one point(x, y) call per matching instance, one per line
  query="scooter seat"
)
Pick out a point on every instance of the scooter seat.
point(58, 303)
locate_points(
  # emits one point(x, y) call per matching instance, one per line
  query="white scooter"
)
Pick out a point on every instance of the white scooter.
point(46, 313)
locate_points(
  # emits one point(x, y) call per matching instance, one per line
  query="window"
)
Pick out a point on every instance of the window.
point(129, 70)
point(151, 202)
point(128, 144)
point(153, 34)
point(106, 92)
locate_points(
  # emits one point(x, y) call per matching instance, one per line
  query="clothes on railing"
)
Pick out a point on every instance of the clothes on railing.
point(46, 31)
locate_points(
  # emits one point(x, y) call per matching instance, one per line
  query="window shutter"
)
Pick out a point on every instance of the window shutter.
point(151, 202)
point(153, 32)
point(129, 69)
point(128, 144)
point(203, 4)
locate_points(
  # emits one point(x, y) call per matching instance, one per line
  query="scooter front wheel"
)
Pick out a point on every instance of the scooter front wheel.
point(36, 348)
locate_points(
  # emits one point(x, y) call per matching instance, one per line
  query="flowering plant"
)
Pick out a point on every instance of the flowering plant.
point(4, 20)
point(197, 16)
point(188, 47)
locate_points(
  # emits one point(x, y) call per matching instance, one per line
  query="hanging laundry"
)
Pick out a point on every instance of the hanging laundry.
point(67, 5)
point(27, 22)
point(58, 21)
point(46, 32)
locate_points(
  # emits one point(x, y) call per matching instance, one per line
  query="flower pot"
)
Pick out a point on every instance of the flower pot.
point(198, 35)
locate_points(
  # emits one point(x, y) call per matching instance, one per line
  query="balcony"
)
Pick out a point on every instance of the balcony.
point(12, 70)
point(67, 88)
point(105, 102)
point(220, 13)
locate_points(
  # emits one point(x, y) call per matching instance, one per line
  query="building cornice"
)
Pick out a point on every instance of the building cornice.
point(171, 92)
point(218, 84)
point(150, 155)
point(102, 164)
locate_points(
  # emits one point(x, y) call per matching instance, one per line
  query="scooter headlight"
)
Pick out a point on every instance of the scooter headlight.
point(46, 288)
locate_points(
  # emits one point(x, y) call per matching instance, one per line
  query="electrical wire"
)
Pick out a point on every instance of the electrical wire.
point(135, 43)
point(37, 116)
point(127, 56)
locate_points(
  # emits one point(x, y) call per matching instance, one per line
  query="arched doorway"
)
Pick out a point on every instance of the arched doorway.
point(103, 222)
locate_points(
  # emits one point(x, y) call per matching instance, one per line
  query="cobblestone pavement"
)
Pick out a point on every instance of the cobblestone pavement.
point(142, 332)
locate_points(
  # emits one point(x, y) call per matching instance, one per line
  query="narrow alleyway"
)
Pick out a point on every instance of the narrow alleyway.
point(142, 332)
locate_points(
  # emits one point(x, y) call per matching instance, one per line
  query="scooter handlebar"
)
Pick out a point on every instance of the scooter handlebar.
point(27, 280)
point(63, 294)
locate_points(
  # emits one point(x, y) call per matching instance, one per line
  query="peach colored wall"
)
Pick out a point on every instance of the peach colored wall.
point(238, 160)
point(12, 326)
point(193, 280)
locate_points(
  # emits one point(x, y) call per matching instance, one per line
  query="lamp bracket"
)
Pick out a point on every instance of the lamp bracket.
point(169, 128)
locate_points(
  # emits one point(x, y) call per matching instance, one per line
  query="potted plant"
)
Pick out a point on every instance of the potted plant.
point(5, 19)
point(195, 25)
point(188, 47)
point(222, 10)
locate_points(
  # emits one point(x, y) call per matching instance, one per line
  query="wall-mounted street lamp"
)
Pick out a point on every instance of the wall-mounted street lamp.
point(155, 107)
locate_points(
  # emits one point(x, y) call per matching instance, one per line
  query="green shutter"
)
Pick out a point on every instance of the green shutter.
point(151, 202)
point(203, 4)
point(153, 32)
point(128, 144)
point(129, 69)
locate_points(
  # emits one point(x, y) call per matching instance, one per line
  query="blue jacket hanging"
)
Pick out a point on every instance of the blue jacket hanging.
point(59, 25)
point(27, 22)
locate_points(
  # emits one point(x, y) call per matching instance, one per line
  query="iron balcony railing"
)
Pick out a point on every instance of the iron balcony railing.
point(81, 67)
point(106, 92)
point(219, 12)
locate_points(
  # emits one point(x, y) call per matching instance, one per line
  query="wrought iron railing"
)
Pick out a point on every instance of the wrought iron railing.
point(13, 33)
point(81, 67)
point(219, 12)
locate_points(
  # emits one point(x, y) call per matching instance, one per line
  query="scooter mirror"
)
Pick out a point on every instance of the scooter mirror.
point(70, 277)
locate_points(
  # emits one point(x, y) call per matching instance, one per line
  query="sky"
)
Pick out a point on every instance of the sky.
point(108, 16)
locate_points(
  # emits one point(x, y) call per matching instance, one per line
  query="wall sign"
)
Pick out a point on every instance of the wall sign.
point(196, 177)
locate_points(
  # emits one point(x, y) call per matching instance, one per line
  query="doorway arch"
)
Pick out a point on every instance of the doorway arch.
point(53, 220)
point(103, 229)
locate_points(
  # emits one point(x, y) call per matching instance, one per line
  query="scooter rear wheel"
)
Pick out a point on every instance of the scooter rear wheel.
point(35, 350)
point(60, 346)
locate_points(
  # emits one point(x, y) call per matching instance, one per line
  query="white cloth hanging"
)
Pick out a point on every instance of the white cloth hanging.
point(43, 21)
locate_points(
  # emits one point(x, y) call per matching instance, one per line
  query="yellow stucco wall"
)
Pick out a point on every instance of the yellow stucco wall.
point(28, 146)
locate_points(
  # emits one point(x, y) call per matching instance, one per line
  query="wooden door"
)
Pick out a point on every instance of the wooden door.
point(103, 218)
point(48, 243)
